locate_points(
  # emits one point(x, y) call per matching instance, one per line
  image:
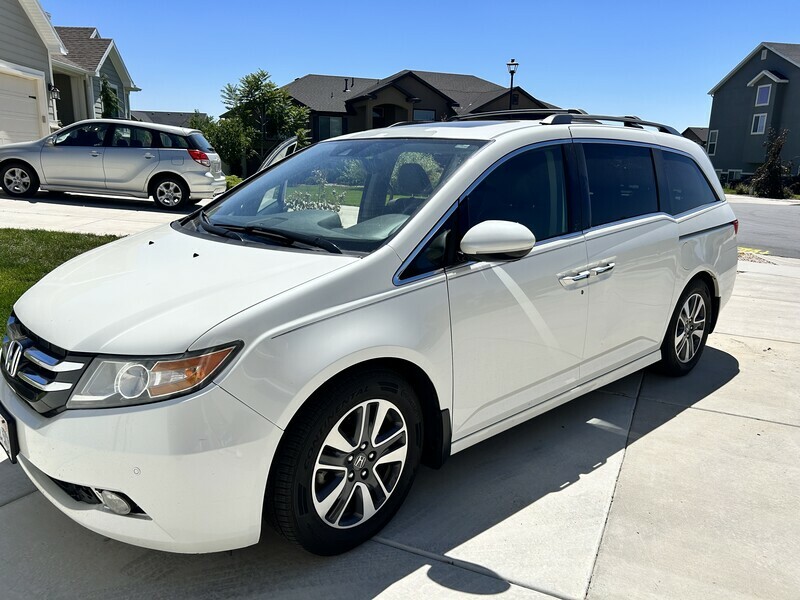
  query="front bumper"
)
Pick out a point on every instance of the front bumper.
point(197, 467)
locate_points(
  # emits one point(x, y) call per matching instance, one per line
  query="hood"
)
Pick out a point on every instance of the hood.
point(16, 146)
point(156, 292)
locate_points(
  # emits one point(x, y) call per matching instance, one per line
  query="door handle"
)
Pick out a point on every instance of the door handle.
point(148, 156)
point(569, 279)
point(603, 269)
point(95, 153)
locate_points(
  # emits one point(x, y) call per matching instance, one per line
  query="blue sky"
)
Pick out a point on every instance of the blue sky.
point(656, 60)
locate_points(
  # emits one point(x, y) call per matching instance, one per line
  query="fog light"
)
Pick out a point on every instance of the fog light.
point(115, 503)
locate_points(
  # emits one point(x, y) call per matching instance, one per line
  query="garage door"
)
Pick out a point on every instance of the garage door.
point(19, 109)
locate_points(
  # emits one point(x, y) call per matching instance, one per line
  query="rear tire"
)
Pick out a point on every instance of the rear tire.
point(687, 332)
point(346, 463)
point(170, 193)
point(19, 180)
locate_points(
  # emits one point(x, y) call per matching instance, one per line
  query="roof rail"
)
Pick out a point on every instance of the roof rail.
point(517, 113)
point(401, 123)
point(628, 121)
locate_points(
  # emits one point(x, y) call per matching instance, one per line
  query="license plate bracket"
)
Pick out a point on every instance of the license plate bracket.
point(8, 434)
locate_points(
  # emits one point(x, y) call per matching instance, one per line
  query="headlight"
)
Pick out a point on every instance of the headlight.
point(128, 381)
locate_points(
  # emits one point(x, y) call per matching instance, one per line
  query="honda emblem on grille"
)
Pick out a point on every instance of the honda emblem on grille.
point(13, 356)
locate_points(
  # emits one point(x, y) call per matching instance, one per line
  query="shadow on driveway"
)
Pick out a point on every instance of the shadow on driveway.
point(116, 202)
point(481, 488)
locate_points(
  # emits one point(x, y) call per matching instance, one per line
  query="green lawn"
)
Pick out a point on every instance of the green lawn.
point(27, 255)
point(352, 193)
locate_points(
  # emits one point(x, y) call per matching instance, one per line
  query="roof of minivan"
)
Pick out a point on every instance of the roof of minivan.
point(156, 126)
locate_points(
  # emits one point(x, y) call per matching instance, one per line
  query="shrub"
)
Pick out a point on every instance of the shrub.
point(767, 181)
point(232, 181)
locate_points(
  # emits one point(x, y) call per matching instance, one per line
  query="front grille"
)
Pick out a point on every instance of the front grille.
point(79, 493)
point(44, 374)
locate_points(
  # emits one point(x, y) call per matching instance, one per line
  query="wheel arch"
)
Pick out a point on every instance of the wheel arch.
point(436, 421)
point(155, 178)
point(6, 161)
point(711, 282)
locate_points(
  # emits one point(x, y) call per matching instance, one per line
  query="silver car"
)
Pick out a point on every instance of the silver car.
point(173, 165)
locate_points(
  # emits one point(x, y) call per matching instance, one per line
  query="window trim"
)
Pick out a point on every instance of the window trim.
point(753, 124)
point(571, 206)
point(715, 133)
point(764, 54)
point(769, 94)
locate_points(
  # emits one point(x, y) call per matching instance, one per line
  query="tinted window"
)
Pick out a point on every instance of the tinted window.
point(201, 143)
point(686, 185)
point(529, 189)
point(131, 137)
point(92, 134)
point(622, 182)
point(171, 140)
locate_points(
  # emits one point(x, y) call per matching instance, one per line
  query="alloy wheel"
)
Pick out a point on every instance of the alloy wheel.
point(690, 328)
point(169, 193)
point(359, 464)
point(17, 180)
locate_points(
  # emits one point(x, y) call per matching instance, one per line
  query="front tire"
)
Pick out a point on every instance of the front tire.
point(19, 180)
point(346, 463)
point(170, 193)
point(687, 331)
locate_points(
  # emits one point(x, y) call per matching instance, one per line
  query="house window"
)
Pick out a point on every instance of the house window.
point(711, 144)
point(734, 174)
point(764, 54)
point(759, 124)
point(329, 127)
point(762, 95)
point(424, 114)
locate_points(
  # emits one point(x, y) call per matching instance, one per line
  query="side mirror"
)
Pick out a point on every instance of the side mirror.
point(50, 141)
point(497, 240)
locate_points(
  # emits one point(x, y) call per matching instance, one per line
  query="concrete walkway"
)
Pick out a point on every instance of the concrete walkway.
point(649, 488)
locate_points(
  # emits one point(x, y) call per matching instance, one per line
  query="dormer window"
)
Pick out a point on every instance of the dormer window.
point(762, 94)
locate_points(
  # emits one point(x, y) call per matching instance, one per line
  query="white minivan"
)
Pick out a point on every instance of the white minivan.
point(294, 351)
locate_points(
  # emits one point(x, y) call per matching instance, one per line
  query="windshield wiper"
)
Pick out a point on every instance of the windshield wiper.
point(282, 235)
point(208, 226)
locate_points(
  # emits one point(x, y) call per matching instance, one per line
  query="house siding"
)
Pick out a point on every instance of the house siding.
point(21, 45)
point(734, 106)
point(109, 71)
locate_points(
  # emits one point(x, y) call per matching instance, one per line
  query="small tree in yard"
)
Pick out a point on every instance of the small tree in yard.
point(767, 182)
point(266, 109)
point(109, 99)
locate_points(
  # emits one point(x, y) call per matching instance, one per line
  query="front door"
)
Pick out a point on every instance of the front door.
point(129, 158)
point(518, 327)
point(76, 157)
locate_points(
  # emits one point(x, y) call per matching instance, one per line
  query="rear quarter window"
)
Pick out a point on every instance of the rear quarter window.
point(622, 182)
point(171, 140)
point(686, 186)
point(199, 142)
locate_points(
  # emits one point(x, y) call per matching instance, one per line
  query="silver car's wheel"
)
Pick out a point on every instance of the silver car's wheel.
point(19, 179)
point(169, 193)
point(359, 464)
point(690, 328)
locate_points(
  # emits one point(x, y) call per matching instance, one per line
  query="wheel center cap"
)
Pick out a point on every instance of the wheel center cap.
point(360, 461)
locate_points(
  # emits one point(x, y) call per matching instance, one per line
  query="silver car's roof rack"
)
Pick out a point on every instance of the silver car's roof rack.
point(521, 114)
point(628, 121)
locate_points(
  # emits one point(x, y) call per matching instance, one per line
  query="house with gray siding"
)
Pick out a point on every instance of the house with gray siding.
point(27, 43)
point(761, 93)
point(78, 75)
point(340, 105)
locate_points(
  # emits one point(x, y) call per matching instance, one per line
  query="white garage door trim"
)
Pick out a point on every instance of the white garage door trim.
point(7, 68)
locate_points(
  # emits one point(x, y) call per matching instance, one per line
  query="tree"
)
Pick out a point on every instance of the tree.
point(767, 181)
point(108, 99)
point(231, 139)
point(266, 109)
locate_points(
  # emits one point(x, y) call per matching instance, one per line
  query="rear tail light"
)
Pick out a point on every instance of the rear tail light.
point(200, 157)
point(735, 224)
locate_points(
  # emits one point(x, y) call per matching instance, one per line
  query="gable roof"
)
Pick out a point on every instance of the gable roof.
point(789, 52)
point(176, 119)
point(41, 23)
point(325, 93)
point(776, 77)
point(88, 51)
point(701, 133)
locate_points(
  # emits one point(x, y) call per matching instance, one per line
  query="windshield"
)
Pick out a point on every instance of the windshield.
point(352, 193)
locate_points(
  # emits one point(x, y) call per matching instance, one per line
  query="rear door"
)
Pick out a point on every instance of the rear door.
point(76, 157)
point(130, 158)
point(632, 251)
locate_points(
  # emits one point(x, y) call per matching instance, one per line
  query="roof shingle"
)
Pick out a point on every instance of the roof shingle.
point(83, 50)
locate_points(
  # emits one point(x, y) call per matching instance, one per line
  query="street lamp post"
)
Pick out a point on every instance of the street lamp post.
point(512, 68)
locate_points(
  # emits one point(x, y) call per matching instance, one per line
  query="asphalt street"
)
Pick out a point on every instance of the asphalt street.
point(769, 225)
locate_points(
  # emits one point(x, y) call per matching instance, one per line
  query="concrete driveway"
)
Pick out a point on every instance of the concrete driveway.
point(85, 214)
point(649, 488)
